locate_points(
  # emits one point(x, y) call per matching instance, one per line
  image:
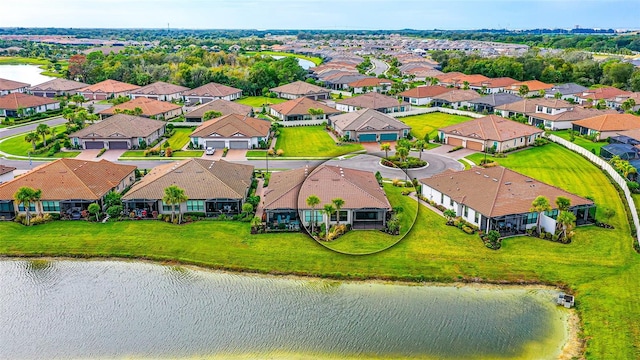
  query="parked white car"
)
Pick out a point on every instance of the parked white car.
point(210, 151)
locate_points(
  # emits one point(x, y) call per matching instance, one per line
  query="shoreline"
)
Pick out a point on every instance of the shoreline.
point(574, 345)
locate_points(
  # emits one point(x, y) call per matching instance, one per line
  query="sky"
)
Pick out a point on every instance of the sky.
point(322, 14)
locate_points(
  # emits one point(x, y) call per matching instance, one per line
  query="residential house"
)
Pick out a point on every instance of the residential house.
point(209, 92)
point(150, 108)
point(489, 102)
point(365, 203)
point(299, 112)
point(107, 89)
point(213, 188)
point(605, 126)
point(301, 89)
point(68, 186)
point(492, 86)
point(455, 99)
point(627, 151)
point(535, 88)
point(20, 104)
point(120, 131)
point(57, 87)
point(383, 103)
point(224, 107)
point(490, 132)
point(368, 125)
point(10, 86)
point(340, 80)
point(567, 91)
point(160, 90)
point(6, 173)
point(459, 80)
point(592, 97)
point(233, 131)
point(423, 95)
point(617, 101)
point(370, 84)
point(497, 198)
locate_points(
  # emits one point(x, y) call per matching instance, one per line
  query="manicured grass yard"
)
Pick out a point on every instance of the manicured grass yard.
point(430, 123)
point(180, 138)
point(580, 141)
point(369, 241)
point(600, 265)
point(312, 141)
point(17, 146)
point(259, 101)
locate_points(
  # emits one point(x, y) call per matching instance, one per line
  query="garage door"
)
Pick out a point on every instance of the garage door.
point(118, 145)
point(50, 94)
point(93, 144)
point(367, 137)
point(238, 145)
point(388, 137)
point(215, 144)
point(474, 145)
point(454, 141)
point(100, 96)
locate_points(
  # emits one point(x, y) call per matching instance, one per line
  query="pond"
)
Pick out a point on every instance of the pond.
point(108, 309)
point(30, 74)
point(304, 63)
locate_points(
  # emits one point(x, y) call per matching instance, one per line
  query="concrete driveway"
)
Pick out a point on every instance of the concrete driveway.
point(444, 151)
point(88, 155)
point(112, 155)
point(236, 155)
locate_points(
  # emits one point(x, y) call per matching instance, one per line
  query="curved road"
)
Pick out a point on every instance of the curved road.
point(7, 132)
point(380, 67)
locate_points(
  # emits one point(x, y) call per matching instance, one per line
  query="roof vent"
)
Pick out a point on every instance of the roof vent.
point(496, 180)
point(478, 172)
point(529, 180)
point(508, 183)
point(487, 176)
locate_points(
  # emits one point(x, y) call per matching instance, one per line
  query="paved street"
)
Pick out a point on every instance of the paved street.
point(380, 66)
point(4, 132)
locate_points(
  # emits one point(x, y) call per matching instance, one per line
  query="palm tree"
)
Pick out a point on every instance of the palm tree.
point(32, 137)
point(627, 169)
point(385, 147)
point(523, 90)
point(540, 205)
point(557, 95)
point(173, 195)
point(403, 152)
point(78, 99)
point(43, 130)
point(420, 145)
point(563, 203)
point(313, 201)
point(566, 220)
point(329, 210)
point(338, 203)
point(628, 104)
point(25, 196)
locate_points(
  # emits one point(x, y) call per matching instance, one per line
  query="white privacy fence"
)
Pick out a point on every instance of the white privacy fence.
point(610, 170)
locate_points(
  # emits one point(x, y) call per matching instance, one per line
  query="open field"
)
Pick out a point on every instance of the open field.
point(309, 141)
point(580, 141)
point(430, 123)
point(313, 59)
point(600, 265)
point(259, 101)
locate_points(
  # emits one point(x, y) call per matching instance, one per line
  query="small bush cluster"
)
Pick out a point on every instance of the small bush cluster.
point(35, 219)
point(410, 163)
point(456, 149)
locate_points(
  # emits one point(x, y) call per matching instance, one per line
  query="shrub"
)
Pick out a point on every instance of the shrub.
point(467, 230)
point(280, 152)
point(396, 182)
point(455, 149)
point(115, 211)
point(102, 151)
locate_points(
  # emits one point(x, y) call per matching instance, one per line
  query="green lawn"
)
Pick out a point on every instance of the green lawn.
point(580, 141)
point(600, 265)
point(259, 101)
point(370, 241)
point(311, 141)
point(17, 146)
point(313, 59)
point(430, 123)
point(180, 138)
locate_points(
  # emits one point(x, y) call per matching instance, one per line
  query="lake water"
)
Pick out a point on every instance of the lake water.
point(29, 74)
point(109, 309)
point(304, 63)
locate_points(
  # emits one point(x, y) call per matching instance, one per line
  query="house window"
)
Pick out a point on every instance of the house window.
point(195, 205)
point(549, 110)
point(343, 216)
point(32, 207)
point(476, 217)
point(466, 211)
point(307, 216)
point(441, 198)
point(450, 202)
point(50, 206)
point(166, 207)
point(539, 108)
point(6, 207)
point(552, 214)
point(531, 218)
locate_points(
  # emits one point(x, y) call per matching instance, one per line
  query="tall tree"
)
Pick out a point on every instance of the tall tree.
point(385, 147)
point(329, 210)
point(43, 130)
point(563, 203)
point(420, 145)
point(523, 90)
point(338, 203)
point(566, 220)
point(26, 196)
point(32, 137)
point(174, 195)
point(540, 205)
point(402, 152)
point(312, 202)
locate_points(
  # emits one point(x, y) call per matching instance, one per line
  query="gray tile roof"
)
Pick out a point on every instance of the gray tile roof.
point(121, 125)
point(366, 119)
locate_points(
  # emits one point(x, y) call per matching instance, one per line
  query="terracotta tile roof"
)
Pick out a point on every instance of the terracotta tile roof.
point(300, 88)
point(283, 189)
point(66, 179)
point(610, 122)
point(497, 191)
point(446, 76)
point(109, 87)
point(425, 91)
point(15, 101)
point(232, 124)
point(372, 100)
point(495, 82)
point(160, 88)
point(212, 90)
point(602, 93)
point(458, 95)
point(578, 113)
point(359, 189)
point(491, 127)
point(367, 119)
point(6, 84)
point(533, 85)
point(370, 81)
point(425, 72)
point(301, 106)
point(220, 105)
point(150, 107)
point(121, 126)
point(6, 169)
point(200, 178)
point(623, 97)
point(529, 105)
point(58, 84)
